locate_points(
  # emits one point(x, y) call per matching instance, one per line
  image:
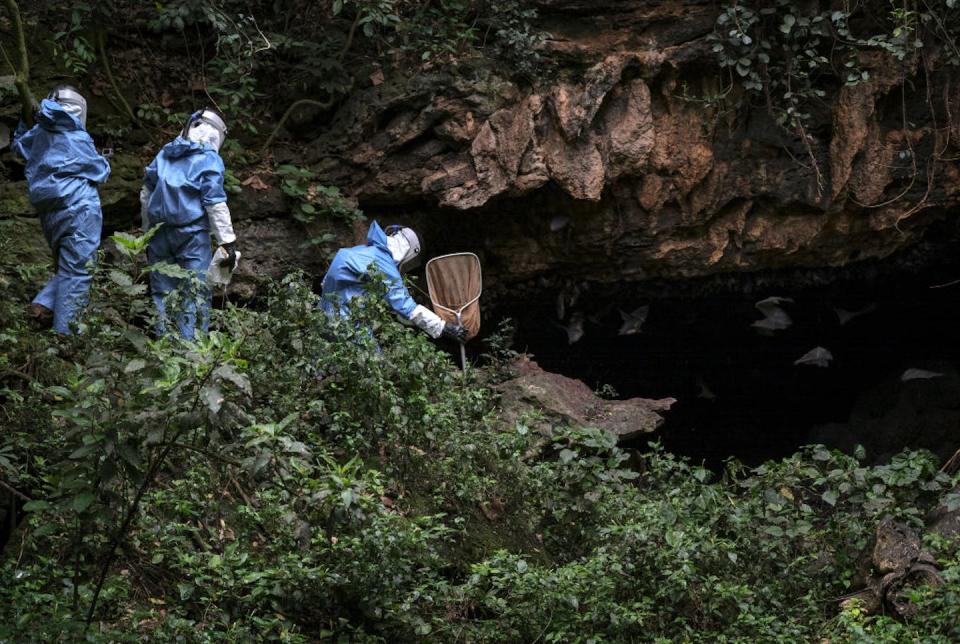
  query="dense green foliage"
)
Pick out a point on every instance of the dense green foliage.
point(791, 55)
point(253, 60)
point(290, 477)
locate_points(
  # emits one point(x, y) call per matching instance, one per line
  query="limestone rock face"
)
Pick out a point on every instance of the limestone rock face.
point(628, 139)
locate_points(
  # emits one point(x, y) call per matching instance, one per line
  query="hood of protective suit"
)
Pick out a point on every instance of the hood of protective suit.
point(184, 179)
point(376, 237)
point(52, 116)
point(181, 147)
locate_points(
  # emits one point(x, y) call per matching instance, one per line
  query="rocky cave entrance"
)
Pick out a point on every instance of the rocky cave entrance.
point(739, 392)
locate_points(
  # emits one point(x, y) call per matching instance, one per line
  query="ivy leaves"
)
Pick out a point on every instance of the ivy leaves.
point(775, 53)
point(788, 55)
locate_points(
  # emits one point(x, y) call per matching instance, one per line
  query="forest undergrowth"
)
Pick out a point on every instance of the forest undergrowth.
point(288, 477)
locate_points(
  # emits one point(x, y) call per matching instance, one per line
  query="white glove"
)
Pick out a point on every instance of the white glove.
point(427, 320)
point(144, 200)
point(218, 274)
point(221, 226)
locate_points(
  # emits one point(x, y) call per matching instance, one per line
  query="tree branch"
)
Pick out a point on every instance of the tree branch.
point(102, 47)
point(323, 105)
point(349, 41)
point(12, 490)
point(134, 506)
point(283, 119)
point(21, 75)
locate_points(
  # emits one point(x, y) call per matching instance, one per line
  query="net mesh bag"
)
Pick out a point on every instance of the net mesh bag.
point(455, 283)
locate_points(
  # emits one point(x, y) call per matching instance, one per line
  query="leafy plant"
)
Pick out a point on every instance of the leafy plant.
point(71, 46)
point(312, 199)
point(786, 54)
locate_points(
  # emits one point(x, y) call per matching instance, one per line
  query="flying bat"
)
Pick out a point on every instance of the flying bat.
point(775, 318)
point(845, 316)
point(633, 322)
point(705, 392)
point(567, 296)
point(573, 328)
point(818, 357)
point(919, 374)
point(559, 223)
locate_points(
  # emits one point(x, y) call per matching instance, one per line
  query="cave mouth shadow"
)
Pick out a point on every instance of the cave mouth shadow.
point(740, 394)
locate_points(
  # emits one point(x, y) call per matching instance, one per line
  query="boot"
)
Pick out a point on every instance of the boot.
point(39, 315)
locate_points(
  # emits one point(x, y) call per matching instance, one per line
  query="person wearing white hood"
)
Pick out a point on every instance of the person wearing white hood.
point(393, 251)
point(183, 190)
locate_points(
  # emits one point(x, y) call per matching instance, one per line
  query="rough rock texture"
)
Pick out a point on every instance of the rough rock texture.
point(565, 401)
point(892, 563)
point(619, 164)
point(944, 521)
point(654, 180)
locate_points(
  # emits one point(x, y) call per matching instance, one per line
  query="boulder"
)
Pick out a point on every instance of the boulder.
point(892, 563)
point(562, 401)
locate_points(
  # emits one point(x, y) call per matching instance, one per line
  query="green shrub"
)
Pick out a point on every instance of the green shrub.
point(291, 477)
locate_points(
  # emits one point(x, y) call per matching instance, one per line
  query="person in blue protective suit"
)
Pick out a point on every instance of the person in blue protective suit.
point(63, 170)
point(183, 191)
point(391, 252)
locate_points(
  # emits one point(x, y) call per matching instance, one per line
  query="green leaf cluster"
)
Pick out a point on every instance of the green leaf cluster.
point(294, 477)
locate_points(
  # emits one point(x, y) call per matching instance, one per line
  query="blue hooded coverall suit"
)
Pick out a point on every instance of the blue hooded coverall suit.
point(347, 275)
point(184, 179)
point(63, 170)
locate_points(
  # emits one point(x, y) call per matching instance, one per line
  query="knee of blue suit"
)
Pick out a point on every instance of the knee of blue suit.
point(186, 301)
point(63, 170)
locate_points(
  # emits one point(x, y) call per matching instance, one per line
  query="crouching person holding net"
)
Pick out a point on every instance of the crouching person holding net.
point(391, 252)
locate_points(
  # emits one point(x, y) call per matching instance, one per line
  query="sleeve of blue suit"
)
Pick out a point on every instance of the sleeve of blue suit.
point(21, 142)
point(211, 182)
point(19, 132)
point(397, 294)
point(150, 175)
point(87, 163)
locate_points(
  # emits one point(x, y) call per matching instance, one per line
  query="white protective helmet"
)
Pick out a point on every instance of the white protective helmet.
point(404, 247)
point(72, 101)
point(205, 126)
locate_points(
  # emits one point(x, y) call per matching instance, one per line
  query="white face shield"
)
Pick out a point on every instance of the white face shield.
point(206, 134)
point(72, 102)
point(399, 247)
point(208, 128)
point(404, 246)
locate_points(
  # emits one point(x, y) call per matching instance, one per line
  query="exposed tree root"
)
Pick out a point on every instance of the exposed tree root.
point(893, 562)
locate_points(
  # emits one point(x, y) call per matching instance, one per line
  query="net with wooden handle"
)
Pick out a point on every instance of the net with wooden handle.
point(455, 283)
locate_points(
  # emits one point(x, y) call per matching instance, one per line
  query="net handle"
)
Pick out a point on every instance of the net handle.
point(433, 301)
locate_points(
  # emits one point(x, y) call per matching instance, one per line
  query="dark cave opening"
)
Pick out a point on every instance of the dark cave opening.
point(739, 392)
